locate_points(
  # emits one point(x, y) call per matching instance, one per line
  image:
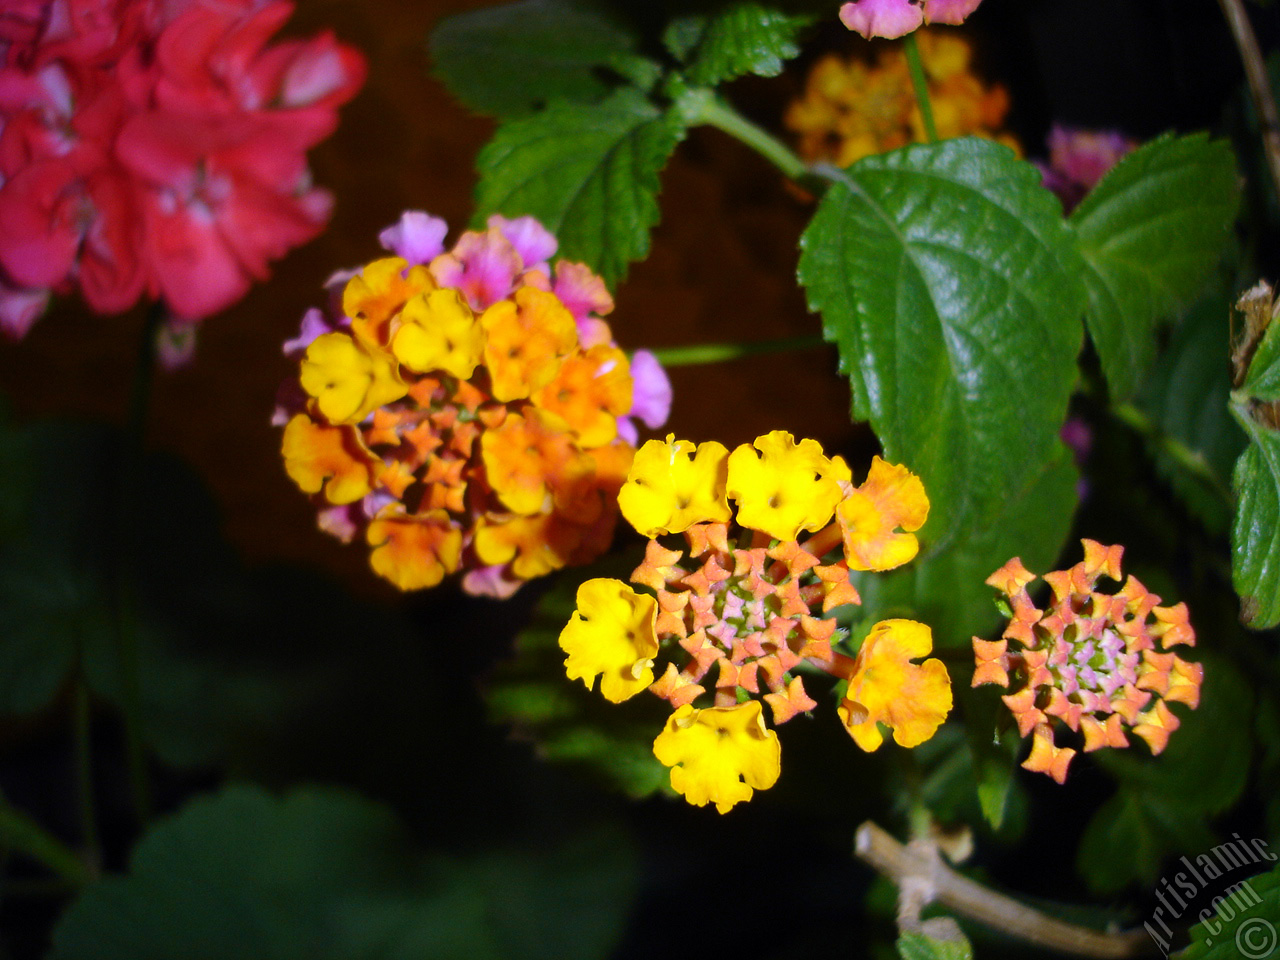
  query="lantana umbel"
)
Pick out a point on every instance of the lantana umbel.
point(1096, 663)
point(865, 103)
point(750, 599)
point(467, 410)
point(157, 148)
point(896, 18)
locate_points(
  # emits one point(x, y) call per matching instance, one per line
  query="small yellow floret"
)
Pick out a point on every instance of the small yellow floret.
point(349, 380)
point(789, 488)
point(374, 296)
point(888, 688)
point(667, 491)
point(527, 339)
point(719, 755)
point(318, 456)
point(612, 635)
point(439, 332)
point(414, 551)
point(891, 497)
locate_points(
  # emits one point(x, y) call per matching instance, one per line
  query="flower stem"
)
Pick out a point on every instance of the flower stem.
point(921, 84)
point(1255, 71)
point(1192, 461)
point(720, 352)
point(700, 106)
point(19, 832)
point(919, 867)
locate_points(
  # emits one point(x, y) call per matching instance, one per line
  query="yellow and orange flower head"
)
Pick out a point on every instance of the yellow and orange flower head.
point(1099, 664)
point(852, 108)
point(738, 616)
point(467, 411)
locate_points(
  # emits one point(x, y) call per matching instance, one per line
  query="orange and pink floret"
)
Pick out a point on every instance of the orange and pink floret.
point(1098, 664)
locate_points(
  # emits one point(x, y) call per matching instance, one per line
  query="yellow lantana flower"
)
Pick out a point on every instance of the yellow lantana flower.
point(888, 688)
point(414, 551)
point(667, 491)
point(439, 332)
point(789, 488)
point(891, 497)
point(719, 755)
point(316, 456)
point(612, 635)
point(523, 455)
point(527, 339)
point(348, 380)
point(373, 297)
point(591, 390)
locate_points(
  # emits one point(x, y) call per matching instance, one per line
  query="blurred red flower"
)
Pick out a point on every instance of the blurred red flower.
point(158, 148)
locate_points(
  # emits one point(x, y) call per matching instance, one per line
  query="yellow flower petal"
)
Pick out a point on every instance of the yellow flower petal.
point(348, 379)
point(612, 635)
point(439, 332)
point(317, 455)
point(789, 488)
point(891, 497)
point(414, 551)
point(719, 755)
point(887, 688)
point(667, 491)
point(526, 340)
point(374, 296)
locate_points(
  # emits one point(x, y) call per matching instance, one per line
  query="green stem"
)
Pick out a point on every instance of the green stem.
point(703, 106)
point(720, 352)
point(128, 504)
point(19, 832)
point(1192, 461)
point(921, 84)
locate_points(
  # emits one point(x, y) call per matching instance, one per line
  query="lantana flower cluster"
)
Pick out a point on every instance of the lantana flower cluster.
point(897, 18)
point(736, 619)
point(1096, 663)
point(157, 148)
point(467, 410)
point(857, 106)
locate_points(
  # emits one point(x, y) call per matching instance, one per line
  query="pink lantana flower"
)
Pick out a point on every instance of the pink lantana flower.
point(897, 18)
point(1078, 159)
point(158, 148)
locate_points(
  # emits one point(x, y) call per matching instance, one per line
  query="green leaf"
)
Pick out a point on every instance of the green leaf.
point(1131, 835)
point(1186, 395)
point(1255, 534)
point(509, 60)
point(567, 722)
point(1262, 382)
point(1244, 922)
point(947, 279)
point(1150, 232)
point(588, 172)
point(1164, 804)
point(746, 38)
point(947, 589)
point(941, 939)
point(322, 873)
